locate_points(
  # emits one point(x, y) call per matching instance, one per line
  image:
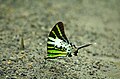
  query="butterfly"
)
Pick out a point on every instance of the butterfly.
point(58, 44)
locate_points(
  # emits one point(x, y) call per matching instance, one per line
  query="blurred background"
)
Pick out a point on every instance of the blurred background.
point(27, 23)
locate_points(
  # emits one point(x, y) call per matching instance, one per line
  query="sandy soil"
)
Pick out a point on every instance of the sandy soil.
point(95, 21)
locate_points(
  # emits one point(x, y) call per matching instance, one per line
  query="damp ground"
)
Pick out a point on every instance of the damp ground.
point(94, 21)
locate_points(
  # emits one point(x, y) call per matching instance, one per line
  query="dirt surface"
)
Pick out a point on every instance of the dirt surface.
point(95, 21)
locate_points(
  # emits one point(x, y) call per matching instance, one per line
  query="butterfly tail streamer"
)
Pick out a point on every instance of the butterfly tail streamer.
point(82, 46)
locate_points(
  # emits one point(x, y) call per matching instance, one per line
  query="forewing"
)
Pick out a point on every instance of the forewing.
point(57, 32)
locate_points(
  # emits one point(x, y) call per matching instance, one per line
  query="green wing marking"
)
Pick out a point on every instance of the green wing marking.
point(56, 32)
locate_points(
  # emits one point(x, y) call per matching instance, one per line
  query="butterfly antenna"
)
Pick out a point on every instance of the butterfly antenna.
point(82, 46)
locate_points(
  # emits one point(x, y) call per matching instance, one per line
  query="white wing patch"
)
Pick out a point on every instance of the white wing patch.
point(64, 45)
point(51, 38)
point(58, 43)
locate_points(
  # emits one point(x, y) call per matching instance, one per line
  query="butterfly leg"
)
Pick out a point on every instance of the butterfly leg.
point(69, 55)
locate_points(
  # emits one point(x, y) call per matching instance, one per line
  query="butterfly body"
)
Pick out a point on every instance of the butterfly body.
point(58, 44)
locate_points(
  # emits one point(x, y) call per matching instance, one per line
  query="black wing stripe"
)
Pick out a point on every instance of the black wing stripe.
point(61, 27)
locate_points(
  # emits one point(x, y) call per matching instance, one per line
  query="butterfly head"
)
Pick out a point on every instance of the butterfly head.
point(74, 49)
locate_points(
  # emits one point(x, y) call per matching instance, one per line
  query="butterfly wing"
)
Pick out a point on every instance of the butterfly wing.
point(58, 31)
point(57, 34)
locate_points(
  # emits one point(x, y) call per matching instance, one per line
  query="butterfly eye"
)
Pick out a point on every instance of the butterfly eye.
point(75, 53)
